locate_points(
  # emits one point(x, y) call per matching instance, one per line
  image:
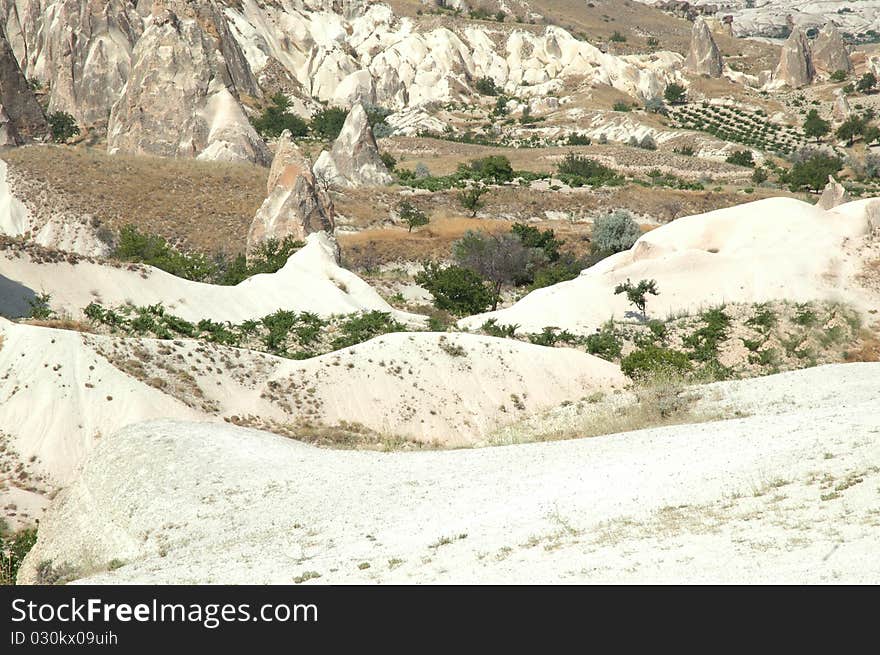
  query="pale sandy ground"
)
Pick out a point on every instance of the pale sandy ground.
point(766, 250)
point(61, 392)
point(788, 494)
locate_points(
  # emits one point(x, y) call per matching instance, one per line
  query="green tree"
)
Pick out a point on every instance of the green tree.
point(867, 83)
point(675, 94)
point(637, 293)
point(544, 240)
point(498, 258)
point(412, 215)
point(851, 128)
point(838, 76)
point(455, 289)
point(811, 173)
point(470, 199)
point(63, 126)
point(328, 122)
point(496, 168)
point(815, 126)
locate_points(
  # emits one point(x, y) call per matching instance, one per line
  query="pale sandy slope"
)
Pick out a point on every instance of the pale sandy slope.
point(789, 494)
point(62, 391)
point(310, 281)
point(777, 248)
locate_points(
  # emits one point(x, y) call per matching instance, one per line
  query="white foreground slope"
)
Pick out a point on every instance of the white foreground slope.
point(310, 281)
point(60, 392)
point(777, 248)
point(58, 397)
point(786, 495)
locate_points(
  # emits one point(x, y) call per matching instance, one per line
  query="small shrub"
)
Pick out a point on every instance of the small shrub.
point(652, 360)
point(63, 126)
point(455, 289)
point(275, 119)
point(486, 86)
point(615, 232)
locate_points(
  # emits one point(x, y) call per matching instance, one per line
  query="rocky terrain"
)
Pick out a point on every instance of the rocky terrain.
point(412, 291)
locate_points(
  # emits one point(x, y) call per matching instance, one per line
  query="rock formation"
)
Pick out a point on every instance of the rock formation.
point(841, 106)
point(796, 62)
point(833, 195)
point(21, 117)
point(704, 57)
point(829, 51)
point(354, 160)
point(181, 99)
point(80, 50)
point(296, 206)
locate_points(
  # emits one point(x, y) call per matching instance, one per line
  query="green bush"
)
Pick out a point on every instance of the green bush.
point(486, 86)
point(13, 548)
point(275, 119)
point(620, 105)
point(615, 232)
point(578, 170)
point(63, 126)
point(328, 122)
point(651, 360)
point(455, 289)
point(495, 168)
point(675, 94)
point(811, 173)
point(153, 250)
point(605, 343)
point(741, 158)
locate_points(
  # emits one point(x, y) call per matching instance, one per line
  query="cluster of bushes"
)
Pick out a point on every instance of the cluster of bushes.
point(485, 263)
point(487, 170)
point(13, 548)
point(295, 335)
point(810, 170)
point(134, 245)
point(578, 171)
point(325, 124)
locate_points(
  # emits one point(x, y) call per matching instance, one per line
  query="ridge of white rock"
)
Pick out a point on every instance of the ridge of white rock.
point(311, 280)
point(14, 216)
point(776, 248)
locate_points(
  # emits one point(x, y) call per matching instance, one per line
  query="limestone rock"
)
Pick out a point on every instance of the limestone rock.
point(833, 195)
point(181, 99)
point(841, 106)
point(21, 117)
point(704, 57)
point(296, 206)
point(829, 51)
point(796, 62)
point(354, 160)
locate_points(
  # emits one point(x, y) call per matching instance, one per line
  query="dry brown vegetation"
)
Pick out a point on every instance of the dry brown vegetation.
point(200, 205)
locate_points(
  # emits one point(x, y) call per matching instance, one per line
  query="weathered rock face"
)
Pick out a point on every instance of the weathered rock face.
point(80, 49)
point(704, 57)
point(841, 106)
point(296, 206)
point(21, 117)
point(181, 99)
point(354, 160)
point(796, 62)
point(833, 195)
point(829, 51)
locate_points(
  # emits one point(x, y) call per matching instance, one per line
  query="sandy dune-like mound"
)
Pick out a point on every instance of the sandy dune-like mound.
point(777, 248)
point(785, 495)
point(310, 281)
point(451, 390)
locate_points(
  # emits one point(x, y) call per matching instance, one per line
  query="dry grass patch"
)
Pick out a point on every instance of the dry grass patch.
point(205, 206)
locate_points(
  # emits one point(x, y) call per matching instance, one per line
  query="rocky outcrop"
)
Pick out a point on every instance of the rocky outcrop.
point(829, 51)
point(181, 99)
point(354, 160)
point(796, 62)
point(80, 50)
point(704, 57)
point(296, 205)
point(833, 195)
point(841, 109)
point(21, 117)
